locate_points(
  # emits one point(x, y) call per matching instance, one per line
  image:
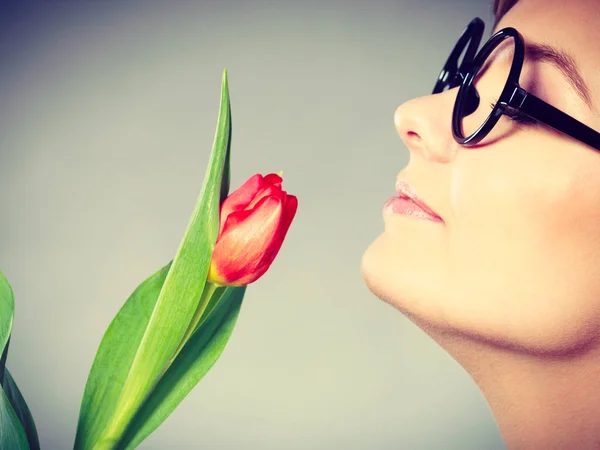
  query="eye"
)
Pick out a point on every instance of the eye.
point(517, 116)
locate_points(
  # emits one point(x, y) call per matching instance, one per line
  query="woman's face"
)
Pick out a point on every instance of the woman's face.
point(516, 260)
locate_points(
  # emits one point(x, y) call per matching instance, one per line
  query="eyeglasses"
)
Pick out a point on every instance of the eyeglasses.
point(473, 119)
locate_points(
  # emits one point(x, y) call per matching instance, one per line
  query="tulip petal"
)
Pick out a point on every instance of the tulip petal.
point(241, 197)
point(249, 193)
point(289, 212)
point(266, 191)
point(247, 237)
point(274, 179)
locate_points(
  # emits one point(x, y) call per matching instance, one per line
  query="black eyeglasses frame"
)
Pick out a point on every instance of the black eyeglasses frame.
point(513, 95)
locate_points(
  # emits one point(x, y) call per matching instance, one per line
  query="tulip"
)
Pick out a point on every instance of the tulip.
point(254, 220)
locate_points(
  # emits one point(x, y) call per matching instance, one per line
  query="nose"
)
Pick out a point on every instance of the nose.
point(425, 126)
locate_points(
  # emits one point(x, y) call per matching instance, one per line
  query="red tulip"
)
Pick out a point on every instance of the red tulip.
point(254, 220)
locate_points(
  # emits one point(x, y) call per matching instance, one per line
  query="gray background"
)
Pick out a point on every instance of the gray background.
point(107, 116)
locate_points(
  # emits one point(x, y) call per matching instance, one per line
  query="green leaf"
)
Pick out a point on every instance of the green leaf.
point(7, 308)
point(12, 434)
point(125, 373)
point(112, 354)
point(114, 357)
point(226, 168)
point(195, 360)
point(21, 410)
point(17, 429)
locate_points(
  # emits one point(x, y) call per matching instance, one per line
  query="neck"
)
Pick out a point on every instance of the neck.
point(538, 401)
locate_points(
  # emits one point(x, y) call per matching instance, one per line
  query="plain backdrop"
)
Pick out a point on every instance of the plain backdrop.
point(107, 116)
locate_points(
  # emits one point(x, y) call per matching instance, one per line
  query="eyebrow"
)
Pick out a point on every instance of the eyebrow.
point(565, 63)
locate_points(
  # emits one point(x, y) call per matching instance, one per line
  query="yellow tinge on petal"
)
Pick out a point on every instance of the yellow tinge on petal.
point(214, 277)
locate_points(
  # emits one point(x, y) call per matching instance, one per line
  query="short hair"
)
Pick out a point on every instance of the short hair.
point(501, 7)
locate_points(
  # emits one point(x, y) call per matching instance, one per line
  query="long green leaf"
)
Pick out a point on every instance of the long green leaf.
point(12, 431)
point(196, 358)
point(112, 354)
point(114, 357)
point(226, 167)
point(134, 377)
point(12, 434)
point(7, 308)
point(21, 410)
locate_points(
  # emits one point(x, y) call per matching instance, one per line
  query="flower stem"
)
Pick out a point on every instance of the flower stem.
point(207, 294)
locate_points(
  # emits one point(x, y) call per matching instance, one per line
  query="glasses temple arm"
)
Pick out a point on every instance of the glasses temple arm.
point(543, 112)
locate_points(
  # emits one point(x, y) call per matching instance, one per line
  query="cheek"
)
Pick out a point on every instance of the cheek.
point(524, 239)
point(533, 187)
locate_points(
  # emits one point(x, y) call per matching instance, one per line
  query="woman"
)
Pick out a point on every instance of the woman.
point(499, 260)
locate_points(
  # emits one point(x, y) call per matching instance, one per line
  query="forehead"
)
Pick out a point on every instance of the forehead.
point(579, 16)
point(572, 26)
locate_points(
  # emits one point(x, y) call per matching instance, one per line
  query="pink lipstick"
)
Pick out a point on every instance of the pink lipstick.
point(407, 203)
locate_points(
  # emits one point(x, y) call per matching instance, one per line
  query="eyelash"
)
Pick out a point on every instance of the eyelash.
point(517, 116)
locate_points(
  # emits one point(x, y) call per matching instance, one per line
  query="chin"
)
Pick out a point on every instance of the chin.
point(426, 291)
point(370, 274)
point(401, 281)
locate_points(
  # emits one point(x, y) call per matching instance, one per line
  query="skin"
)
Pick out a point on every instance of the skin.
point(509, 282)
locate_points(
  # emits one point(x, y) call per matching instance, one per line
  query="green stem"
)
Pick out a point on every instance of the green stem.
point(207, 293)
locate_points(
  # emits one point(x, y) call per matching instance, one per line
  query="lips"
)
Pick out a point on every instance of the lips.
point(405, 190)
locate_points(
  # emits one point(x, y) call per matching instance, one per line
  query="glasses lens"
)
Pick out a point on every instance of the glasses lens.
point(481, 96)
